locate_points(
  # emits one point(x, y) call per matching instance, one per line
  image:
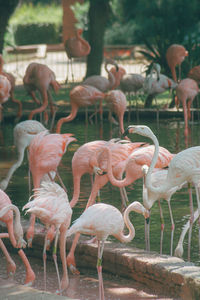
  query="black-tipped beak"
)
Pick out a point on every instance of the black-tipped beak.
point(147, 220)
point(103, 173)
point(126, 132)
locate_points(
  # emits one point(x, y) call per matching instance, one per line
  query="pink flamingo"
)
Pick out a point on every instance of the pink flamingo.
point(23, 133)
point(39, 77)
point(15, 234)
point(175, 55)
point(184, 167)
point(103, 220)
point(118, 74)
point(116, 101)
point(5, 88)
point(51, 206)
point(45, 154)
point(194, 73)
point(100, 82)
point(81, 95)
point(11, 78)
point(76, 47)
point(186, 91)
point(120, 153)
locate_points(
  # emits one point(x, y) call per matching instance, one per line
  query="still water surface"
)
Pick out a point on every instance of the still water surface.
point(170, 134)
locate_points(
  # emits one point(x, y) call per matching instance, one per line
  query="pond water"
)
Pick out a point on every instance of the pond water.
point(170, 134)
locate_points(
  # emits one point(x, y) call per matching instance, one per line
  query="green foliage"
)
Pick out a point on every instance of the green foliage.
point(120, 34)
point(81, 14)
point(35, 24)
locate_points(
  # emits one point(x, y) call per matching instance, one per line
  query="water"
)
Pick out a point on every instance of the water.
point(170, 134)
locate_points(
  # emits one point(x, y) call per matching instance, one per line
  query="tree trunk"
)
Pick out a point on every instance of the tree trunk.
point(98, 15)
point(6, 8)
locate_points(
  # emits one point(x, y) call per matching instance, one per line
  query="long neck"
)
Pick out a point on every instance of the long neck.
point(131, 234)
point(111, 77)
point(120, 183)
point(16, 165)
point(16, 225)
point(84, 43)
point(69, 118)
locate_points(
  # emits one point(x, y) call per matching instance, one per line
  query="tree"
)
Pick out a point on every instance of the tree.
point(7, 8)
point(98, 15)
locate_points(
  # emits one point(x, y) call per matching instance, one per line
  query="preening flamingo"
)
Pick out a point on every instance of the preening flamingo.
point(103, 220)
point(186, 91)
point(175, 55)
point(81, 96)
point(184, 167)
point(118, 74)
point(5, 88)
point(45, 154)
point(76, 47)
point(51, 206)
point(158, 178)
point(11, 78)
point(15, 233)
point(85, 158)
point(100, 82)
point(116, 101)
point(23, 133)
point(39, 77)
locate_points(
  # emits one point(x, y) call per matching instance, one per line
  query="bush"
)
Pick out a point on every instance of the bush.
point(45, 33)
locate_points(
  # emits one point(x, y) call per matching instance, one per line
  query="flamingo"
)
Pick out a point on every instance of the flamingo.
point(194, 73)
point(158, 178)
point(39, 77)
point(85, 160)
point(186, 91)
point(51, 206)
point(11, 78)
point(184, 167)
point(5, 88)
point(81, 95)
point(76, 47)
point(15, 234)
point(131, 83)
point(45, 154)
point(179, 248)
point(23, 133)
point(175, 55)
point(118, 74)
point(103, 220)
point(100, 82)
point(116, 101)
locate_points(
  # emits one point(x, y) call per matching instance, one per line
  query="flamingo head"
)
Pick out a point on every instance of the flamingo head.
point(138, 129)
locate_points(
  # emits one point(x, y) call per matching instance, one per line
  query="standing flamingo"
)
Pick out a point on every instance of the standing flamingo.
point(100, 82)
point(39, 77)
point(194, 73)
point(76, 47)
point(85, 158)
point(11, 78)
point(15, 233)
point(175, 55)
point(186, 91)
point(184, 167)
point(158, 178)
point(5, 88)
point(81, 95)
point(103, 220)
point(45, 154)
point(116, 101)
point(23, 133)
point(118, 74)
point(51, 206)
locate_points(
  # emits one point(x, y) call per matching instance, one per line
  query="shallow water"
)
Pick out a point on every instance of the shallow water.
point(170, 134)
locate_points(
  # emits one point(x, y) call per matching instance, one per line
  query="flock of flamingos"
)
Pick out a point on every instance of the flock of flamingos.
point(107, 160)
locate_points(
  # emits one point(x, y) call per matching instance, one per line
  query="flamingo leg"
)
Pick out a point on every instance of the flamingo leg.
point(198, 203)
point(191, 219)
point(162, 226)
point(11, 266)
point(99, 269)
point(30, 275)
point(44, 262)
point(172, 227)
point(147, 234)
point(55, 257)
point(61, 182)
point(70, 257)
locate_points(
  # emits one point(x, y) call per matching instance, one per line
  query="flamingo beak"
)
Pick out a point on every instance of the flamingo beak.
point(30, 242)
point(99, 171)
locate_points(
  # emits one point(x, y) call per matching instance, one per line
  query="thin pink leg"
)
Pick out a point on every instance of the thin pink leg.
point(11, 266)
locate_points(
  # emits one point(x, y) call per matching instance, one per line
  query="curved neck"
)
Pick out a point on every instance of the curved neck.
point(84, 43)
point(69, 118)
point(127, 238)
point(111, 77)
